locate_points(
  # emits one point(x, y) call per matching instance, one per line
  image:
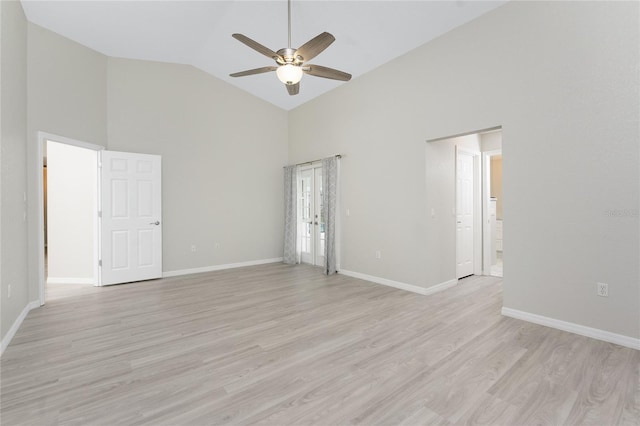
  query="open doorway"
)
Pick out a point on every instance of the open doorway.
point(68, 234)
point(454, 193)
point(459, 181)
point(111, 229)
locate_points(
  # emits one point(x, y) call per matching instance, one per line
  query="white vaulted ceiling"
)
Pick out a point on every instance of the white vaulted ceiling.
point(368, 33)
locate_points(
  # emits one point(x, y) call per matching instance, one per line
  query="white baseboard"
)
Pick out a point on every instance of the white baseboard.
point(594, 333)
point(16, 325)
point(179, 272)
point(402, 286)
point(54, 280)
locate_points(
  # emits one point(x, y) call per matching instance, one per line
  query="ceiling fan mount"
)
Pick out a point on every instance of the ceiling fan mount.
point(291, 62)
point(288, 55)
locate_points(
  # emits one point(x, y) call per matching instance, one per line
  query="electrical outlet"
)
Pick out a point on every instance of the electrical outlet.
point(378, 254)
point(9, 291)
point(603, 289)
point(193, 248)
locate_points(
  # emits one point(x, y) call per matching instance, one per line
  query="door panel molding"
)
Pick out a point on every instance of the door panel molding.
point(467, 212)
point(131, 217)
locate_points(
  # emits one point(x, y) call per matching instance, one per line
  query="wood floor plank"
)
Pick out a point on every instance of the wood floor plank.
point(282, 345)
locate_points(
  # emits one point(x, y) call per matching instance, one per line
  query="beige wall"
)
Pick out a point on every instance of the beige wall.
point(222, 156)
point(13, 158)
point(72, 200)
point(562, 78)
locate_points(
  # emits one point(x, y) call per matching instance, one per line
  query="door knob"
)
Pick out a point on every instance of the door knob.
point(157, 222)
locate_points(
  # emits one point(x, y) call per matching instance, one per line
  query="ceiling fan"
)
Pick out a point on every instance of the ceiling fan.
point(292, 62)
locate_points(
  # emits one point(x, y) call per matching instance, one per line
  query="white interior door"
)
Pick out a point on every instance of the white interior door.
point(312, 231)
point(131, 217)
point(464, 214)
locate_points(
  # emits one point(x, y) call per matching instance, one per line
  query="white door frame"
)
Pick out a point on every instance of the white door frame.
point(477, 209)
point(486, 195)
point(43, 137)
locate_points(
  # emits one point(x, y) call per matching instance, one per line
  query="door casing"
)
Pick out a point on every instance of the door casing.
point(486, 195)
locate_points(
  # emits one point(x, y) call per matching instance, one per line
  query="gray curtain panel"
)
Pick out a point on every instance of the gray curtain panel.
point(329, 199)
point(290, 215)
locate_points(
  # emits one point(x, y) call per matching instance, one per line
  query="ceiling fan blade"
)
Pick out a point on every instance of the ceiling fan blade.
point(324, 72)
point(256, 46)
point(314, 47)
point(293, 89)
point(253, 71)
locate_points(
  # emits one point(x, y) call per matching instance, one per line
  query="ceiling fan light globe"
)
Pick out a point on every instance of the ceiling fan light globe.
point(289, 74)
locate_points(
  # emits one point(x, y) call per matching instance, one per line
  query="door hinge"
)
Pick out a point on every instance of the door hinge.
point(100, 262)
point(99, 214)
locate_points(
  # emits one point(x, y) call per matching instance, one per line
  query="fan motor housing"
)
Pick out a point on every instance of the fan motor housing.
point(288, 56)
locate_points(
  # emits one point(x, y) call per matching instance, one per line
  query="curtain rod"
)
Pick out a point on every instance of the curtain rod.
point(314, 161)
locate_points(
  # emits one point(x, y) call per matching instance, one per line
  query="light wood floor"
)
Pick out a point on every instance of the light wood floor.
point(277, 345)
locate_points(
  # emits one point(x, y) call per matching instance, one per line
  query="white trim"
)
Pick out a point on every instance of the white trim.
point(400, 285)
point(179, 272)
point(338, 235)
point(486, 195)
point(16, 325)
point(43, 137)
point(441, 287)
point(55, 280)
point(594, 333)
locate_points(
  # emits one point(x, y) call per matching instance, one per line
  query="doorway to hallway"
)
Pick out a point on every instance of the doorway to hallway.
point(465, 203)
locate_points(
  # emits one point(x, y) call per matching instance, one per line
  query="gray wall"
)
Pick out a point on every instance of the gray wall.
point(222, 156)
point(562, 80)
point(13, 157)
point(67, 94)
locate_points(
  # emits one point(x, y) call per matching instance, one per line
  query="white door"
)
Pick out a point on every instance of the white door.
point(464, 214)
point(131, 219)
point(312, 225)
